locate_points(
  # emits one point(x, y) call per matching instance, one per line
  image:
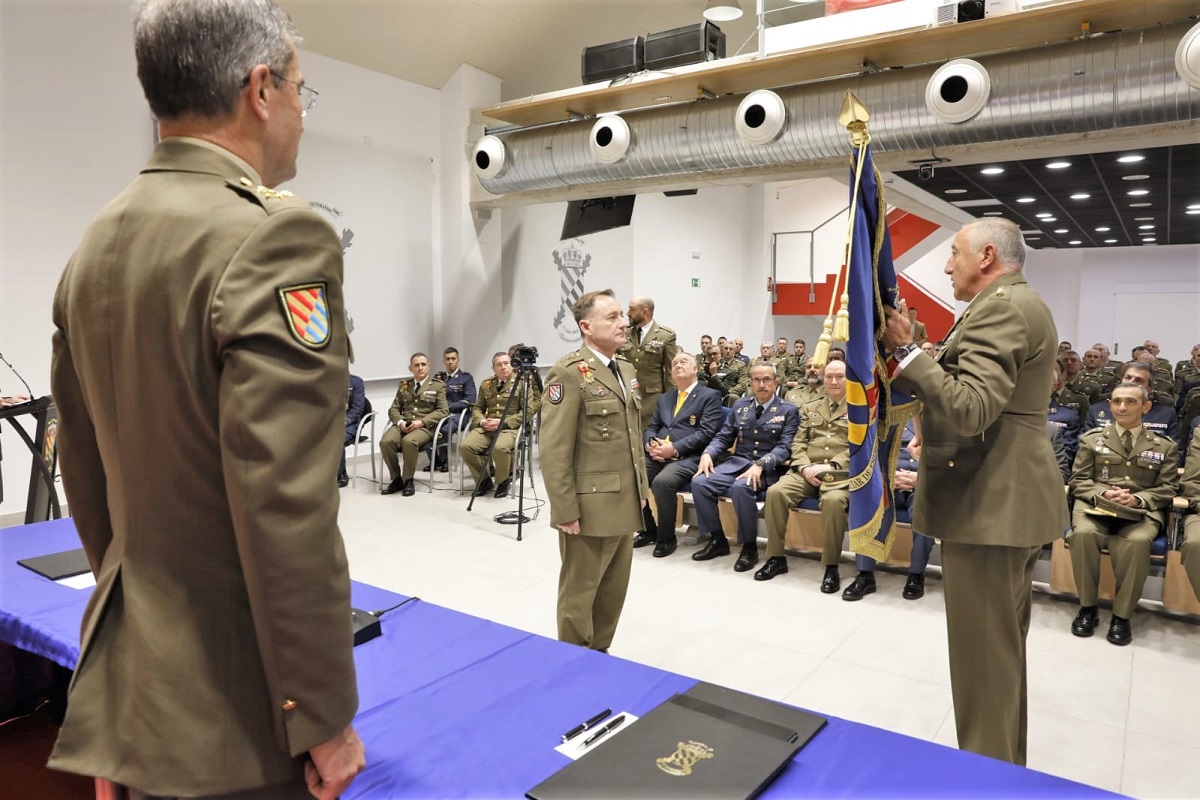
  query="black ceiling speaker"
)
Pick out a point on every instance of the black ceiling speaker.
point(691, 44)
point(604, 62)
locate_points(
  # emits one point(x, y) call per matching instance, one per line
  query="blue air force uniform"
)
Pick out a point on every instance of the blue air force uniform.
point(460, 397)
point(763, 437)
point(1068, 421)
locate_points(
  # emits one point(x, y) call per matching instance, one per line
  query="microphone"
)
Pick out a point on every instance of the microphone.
point(14, 372)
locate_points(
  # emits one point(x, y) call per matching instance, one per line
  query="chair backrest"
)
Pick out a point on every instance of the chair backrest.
point(366, 406)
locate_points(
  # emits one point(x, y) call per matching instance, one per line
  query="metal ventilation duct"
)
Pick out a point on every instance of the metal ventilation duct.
point(1102, 83)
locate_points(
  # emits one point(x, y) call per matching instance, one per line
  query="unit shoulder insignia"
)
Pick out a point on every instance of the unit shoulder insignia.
point(306, 313)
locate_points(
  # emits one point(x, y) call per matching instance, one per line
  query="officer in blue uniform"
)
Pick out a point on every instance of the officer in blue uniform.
point(763, 427)
point(460, 396)
point(1067, 420)
point(356, 406)
point(1160, 419)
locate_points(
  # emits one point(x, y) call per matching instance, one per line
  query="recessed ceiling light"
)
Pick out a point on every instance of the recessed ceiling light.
point(955, 191)
point(1049, 219)
point(1062, 230)
point(1138, 192)
point(1146, 219)
point(1074, 241)
point(1131, 159)
point(1080, 196)
point(1134, 177)
point(1043, 214)
point(1193, 212)
point(1033, 238)
point(1149, 239)
point(1110, 241)
point(991, 171)
point(992, 213)
point(1140, 205)
point(1145, 227)
point(1026, 199)
point(1058, 165)
point(1103, 229)
point(1192, 207)
point(1027, 232)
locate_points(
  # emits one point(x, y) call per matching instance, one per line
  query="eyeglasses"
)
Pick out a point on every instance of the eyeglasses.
point(308, 96)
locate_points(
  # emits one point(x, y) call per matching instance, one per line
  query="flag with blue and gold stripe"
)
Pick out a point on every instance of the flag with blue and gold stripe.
point(877, 414)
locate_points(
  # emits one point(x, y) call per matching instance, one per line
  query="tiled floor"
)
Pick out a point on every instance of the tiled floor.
point(1124, 719)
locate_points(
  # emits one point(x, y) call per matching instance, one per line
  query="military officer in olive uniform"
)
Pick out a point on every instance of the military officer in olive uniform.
point(420, 404)
point(983, 411)
point(761, 429)
point(820, 459)
point(1190, 491)
point(650, 348)
point(1187, 371)
point(1123, 481)
point(702, 354)
point(488, 422)
point(593, 468)
point(794, 367)
point(812, 388)
point(733, 376)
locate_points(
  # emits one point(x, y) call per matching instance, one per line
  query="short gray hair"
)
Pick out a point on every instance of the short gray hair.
point(194, 56)
point(1145, 395)
point(1002, 234)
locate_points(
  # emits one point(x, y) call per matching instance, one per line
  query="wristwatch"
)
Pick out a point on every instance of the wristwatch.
point(904, 351)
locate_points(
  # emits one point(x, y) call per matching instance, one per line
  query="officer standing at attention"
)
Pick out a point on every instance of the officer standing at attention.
point(760, 428)
point(983, 410)
point(488, 422)
point(1123, 482)
point(200, 366)
point(593, 468)
point(650, 348)
point(420, 404)
point(460, 396)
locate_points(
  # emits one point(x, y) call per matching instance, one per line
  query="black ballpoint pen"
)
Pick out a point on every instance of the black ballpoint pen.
point(578, 729)
point(612, 726)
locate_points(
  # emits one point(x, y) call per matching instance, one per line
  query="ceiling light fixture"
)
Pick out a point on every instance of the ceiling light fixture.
point(1058, 165)
point(722, 10)
point(1193, 207)
point(1134, 177)
point(1049, 219)
point(1103, 229)
point(1061, 231)
point(1043, 214)
point(1080, 196)
point(1110, 241)
point(1026, 199)
point(955, 191)
point(998, 213)
point(992, 171)
point(1131, 159)
point(1143, 219)
point(1193, 212)
point(1074, 241)
point(1140, 205)
point(1145, 227)
point(1138, 192)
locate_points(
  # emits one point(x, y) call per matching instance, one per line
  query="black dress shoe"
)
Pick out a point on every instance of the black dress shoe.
point(484, 487)
point(1085, 621)
point(393, 487)
point(860, 587)
point(644, 539)
point(410, 488)
point(748, 558)
point(832, 581)
point(717, 546)
point(664, 549)
point(502, 489)
point(442, 467)
point(776, 565)
point(343, 480)
point(914, 587)
point(1120, 632)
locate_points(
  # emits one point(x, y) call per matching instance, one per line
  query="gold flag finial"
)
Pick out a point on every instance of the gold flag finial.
point(854, 116)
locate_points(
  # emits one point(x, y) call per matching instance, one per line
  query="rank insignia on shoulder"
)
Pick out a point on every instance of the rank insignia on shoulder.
point(554, 393)
point(306, 313)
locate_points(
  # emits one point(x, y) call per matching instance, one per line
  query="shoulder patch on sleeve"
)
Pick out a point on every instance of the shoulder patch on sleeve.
point(554, 393)
point(306, 313)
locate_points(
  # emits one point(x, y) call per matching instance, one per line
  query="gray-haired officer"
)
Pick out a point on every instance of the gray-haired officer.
point(761, 428)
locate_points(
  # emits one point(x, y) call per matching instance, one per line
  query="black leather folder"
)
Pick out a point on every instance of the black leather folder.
point(676, 751)
point(804, 724)
point(58, 565)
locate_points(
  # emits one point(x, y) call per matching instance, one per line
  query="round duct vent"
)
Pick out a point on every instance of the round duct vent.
point(489, 157)
point(1187, 57)
point(610, 139)
point(761, 117)
point(958, 90)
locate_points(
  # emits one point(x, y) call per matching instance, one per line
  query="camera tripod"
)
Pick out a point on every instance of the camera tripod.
point(525, 377)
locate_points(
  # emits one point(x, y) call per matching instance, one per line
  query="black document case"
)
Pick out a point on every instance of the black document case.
point(677, 751)
point(805, 725)
point(58, 565)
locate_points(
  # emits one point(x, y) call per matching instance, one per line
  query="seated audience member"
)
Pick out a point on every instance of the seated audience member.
point(356, 404)
point(1060, 450)
point(781, 349)
point(1108, 363)
point(761, 429)
point(489, 421)
point(793, 369)
point(460, 395)
point(1062, 395)
point(1159, 361)
point(702, 354)
point(1188, 370)
point(1095, 369)
point(819, 468)
point(836, 354)
point(1063, 418)
point(1162, 384)
point(420, 404)
point(1123, 482)
point(732, 374)
point(685, 421)
point(813, 388)
point(1190, 490)
point(766, 355)
point(1160, 419)
point(1075, 380)
point(929, 348)
point(1063, 347)
point(738, 345)
point(905, 483)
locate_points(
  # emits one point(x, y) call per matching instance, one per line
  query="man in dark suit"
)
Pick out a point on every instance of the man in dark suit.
point(199, 366)
point(356, 404)
point(984, 410)
point(685, 420)
point(760, 428)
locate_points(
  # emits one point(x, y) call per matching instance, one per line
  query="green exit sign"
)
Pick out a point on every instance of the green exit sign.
point(695, 283)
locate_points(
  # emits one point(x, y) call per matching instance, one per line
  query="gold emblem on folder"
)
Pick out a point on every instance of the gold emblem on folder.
point(684, 758)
